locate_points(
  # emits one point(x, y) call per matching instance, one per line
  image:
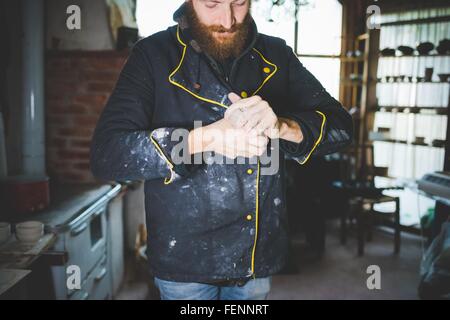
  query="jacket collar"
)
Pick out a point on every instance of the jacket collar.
point(190, 75)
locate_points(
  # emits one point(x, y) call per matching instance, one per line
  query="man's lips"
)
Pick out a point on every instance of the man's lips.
point(223, 35)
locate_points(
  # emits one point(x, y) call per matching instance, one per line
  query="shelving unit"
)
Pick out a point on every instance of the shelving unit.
point(363, 89)
point(411, 109)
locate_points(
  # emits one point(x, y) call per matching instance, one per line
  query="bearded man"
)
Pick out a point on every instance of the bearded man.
point(216, 229)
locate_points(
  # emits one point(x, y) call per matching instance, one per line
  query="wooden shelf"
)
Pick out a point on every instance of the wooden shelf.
point(434, 82)
point(342, 58)
point(351, 84)
point(415, 110)
point(362, 37)
point(417, 21)
point(352, 59)
point(356, 82)
point(330, 56)
point(416, 56)
point(407, 143)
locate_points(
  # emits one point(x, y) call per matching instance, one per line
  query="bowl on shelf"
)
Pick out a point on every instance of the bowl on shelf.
point(444, 46)
point(380, 171)
point(425, 48)
point(444, 77)
point(382, 134)
point(388, 52)
point(29, 231)
point(355, 77)
point(438, 143)
point(419, 140)
point(420, 79)
point(357, 53)
point(353, 54)
point(429, 74)
point(405, 50)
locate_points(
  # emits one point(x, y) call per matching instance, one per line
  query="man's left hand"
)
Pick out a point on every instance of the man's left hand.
point(253, 114)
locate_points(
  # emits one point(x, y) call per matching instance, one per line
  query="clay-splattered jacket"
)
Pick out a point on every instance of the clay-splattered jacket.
point(209, 222)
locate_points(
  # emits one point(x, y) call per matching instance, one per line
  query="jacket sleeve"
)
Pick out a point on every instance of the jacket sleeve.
point(124, 146)
point(326, 125)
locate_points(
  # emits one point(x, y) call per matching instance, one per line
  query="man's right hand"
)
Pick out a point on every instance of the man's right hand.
point(223, 138)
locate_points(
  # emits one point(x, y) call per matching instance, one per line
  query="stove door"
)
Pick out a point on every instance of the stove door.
point(86, 241)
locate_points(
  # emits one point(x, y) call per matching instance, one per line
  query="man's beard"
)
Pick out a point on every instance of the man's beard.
point(229, 47)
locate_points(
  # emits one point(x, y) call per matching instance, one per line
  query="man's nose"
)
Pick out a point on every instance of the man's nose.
point(227, 17)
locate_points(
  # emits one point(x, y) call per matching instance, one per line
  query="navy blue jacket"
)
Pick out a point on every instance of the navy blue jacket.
point(210, 222)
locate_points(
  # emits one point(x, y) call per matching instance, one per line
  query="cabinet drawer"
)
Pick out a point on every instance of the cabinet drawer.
point(86, 242)
point(99, 282)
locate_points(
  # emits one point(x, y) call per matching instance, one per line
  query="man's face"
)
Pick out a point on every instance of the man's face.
point(221, 16)
point(220, 26)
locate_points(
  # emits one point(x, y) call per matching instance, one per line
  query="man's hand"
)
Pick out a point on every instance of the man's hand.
point(223, 138)
point(256, 116)
point(253, 115)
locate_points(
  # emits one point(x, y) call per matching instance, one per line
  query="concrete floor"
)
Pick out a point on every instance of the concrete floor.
point(339, 274)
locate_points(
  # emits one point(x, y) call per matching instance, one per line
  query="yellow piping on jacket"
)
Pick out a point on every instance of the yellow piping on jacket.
point(324, 119)
point(275, 69)
point(256, 220)
point(269, 76)
point(178, 67)
point(169, 164)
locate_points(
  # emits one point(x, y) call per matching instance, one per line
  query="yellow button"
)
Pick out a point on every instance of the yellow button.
point(249, 171)
point(249, 217)
point(244, 94)
point(266, 70)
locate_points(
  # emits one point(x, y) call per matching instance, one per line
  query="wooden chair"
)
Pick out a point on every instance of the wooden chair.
point(360, 195)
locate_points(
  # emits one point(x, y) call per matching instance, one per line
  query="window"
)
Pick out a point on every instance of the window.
point(320, 24)
point(153, 17)
point(318, 44)
point(277, 21)
point(319, 41)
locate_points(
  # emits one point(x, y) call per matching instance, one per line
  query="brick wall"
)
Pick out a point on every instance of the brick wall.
point(78, 84)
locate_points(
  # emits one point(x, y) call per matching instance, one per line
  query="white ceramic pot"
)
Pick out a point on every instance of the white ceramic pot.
point(29, 231)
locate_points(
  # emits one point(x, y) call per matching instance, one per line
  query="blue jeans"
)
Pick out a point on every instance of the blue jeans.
point(255, 289)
